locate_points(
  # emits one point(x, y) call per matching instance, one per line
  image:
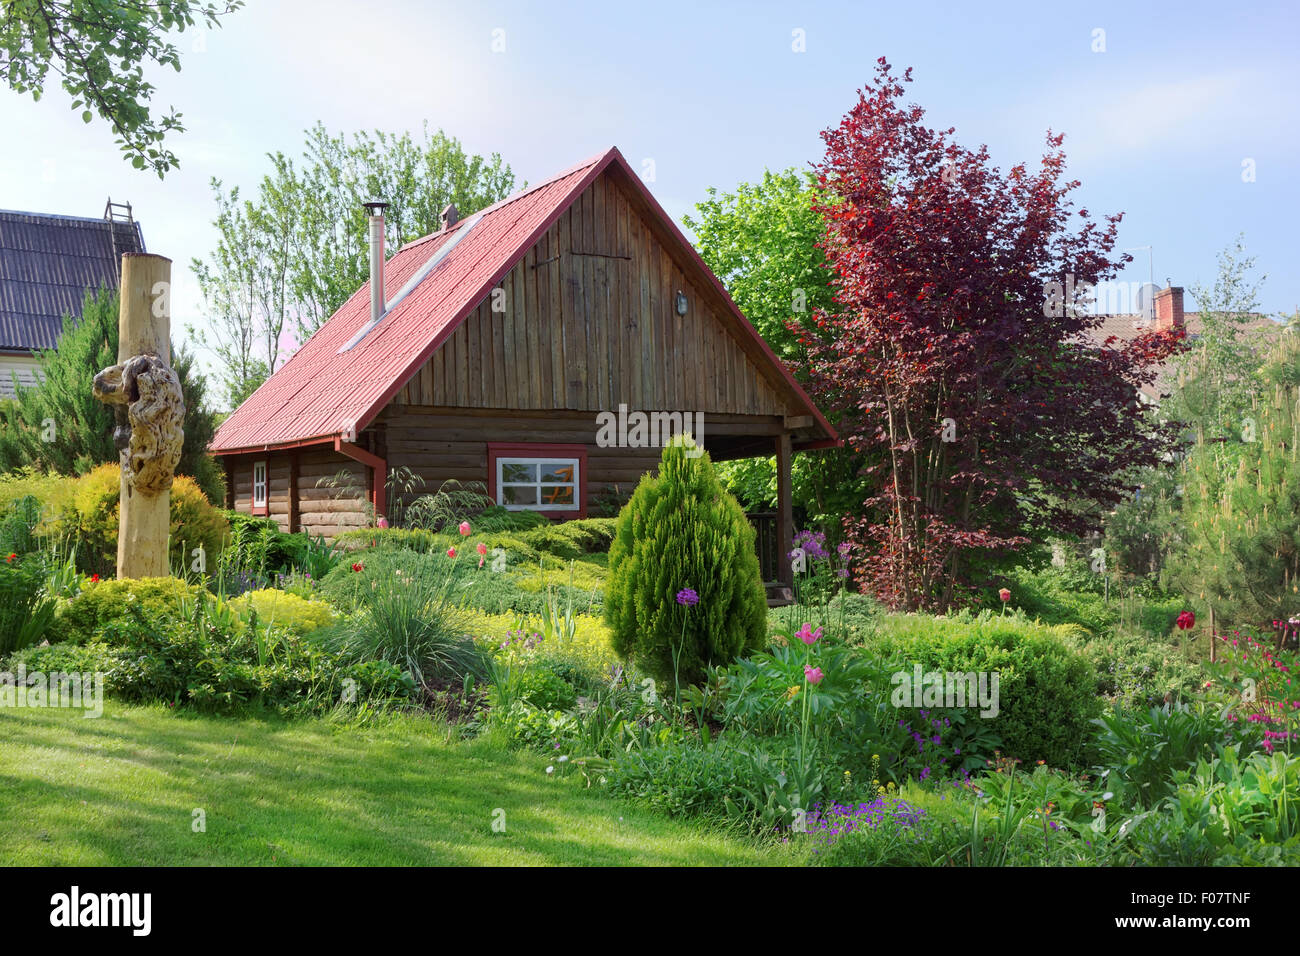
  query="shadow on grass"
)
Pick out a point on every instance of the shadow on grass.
point(122, 790)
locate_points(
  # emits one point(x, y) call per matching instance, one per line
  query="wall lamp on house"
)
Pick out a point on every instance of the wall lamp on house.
point(681, 302)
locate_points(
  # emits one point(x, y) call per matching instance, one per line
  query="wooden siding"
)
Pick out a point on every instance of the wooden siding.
point(26, 368)
point(319, 510)
point(438, 443)
point(587, 321)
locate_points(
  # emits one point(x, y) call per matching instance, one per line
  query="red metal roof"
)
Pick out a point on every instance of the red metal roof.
point(322, 392)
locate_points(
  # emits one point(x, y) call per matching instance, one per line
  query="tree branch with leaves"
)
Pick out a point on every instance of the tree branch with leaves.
point(98, 50)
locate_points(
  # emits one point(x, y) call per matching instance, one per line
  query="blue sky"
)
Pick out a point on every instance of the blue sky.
point(1157, 126)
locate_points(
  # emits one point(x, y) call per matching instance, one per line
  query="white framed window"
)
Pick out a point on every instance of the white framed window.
point(539, 484)
point(259, 484)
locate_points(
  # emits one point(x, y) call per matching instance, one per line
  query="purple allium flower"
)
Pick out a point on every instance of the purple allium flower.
point(687, 597)
point(813, 544)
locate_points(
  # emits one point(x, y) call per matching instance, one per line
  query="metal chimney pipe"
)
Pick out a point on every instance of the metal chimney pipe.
point(376, 210)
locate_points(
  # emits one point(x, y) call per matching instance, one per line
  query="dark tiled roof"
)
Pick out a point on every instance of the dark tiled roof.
point(46, 265)
point(1260, 329)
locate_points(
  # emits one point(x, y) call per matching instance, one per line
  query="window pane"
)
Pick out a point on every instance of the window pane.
point(557, 471)
point(519, 494)
point(518, 471)
point(557, 494)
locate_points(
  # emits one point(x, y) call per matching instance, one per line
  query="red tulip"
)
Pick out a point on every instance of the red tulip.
point(1186, 621)
point(1005, 594)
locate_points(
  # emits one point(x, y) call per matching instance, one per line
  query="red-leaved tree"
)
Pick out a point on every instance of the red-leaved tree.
point(979, 386)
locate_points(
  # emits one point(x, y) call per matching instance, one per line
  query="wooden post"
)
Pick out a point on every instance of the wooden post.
point(293, 493)
point(230, 483)
point(151, 410)
point(144, 325)
point(784, 511)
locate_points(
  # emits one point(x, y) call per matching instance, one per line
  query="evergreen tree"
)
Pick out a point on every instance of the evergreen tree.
point(60, 427)
point(1240, 541)
point(684, 588)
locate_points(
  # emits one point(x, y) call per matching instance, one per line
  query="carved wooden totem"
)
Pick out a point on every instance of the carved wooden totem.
point(150, 412)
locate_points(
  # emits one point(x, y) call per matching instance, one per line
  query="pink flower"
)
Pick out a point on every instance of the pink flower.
point(451, 552)
point(1005, 595)
point(481, 548)
point(813, 675)
point(464, 528)
point(808, 635)
point(382, 522)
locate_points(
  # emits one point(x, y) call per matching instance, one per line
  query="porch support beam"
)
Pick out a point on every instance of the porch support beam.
point(784, 510)
point(378, 475)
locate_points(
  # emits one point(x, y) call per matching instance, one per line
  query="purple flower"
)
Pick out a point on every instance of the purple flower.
point(687, 597)
point(813, 544)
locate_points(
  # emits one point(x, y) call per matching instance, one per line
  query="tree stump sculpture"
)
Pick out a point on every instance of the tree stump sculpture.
point(150, 412)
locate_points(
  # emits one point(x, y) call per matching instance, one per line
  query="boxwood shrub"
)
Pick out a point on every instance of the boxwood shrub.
point(1047, 688)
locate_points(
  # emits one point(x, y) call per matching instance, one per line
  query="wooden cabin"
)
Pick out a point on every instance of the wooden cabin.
point(507, 349)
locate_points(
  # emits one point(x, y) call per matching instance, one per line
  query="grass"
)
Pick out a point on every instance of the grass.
point(121, 790)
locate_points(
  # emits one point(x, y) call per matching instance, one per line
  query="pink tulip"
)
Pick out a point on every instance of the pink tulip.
point(451, 552)
point(808, 635)
point(464, 528)
point(481, 548)
point(382, 522)
point(813, 675)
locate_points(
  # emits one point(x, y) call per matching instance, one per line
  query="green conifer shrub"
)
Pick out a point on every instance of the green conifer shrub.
point(682, 530)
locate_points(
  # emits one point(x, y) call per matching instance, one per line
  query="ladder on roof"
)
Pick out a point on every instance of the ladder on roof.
point(117, 213)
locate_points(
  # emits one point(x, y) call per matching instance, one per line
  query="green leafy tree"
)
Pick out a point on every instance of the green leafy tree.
point(681, 530)
point(245, 285)
point(98, 50)
point(762, 242)
point(291, 255)
point(1142, 530)
point(59, 427)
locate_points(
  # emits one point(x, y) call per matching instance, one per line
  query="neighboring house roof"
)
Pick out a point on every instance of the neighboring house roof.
point(1128, 327)
point(47, 263)
point(326, 392)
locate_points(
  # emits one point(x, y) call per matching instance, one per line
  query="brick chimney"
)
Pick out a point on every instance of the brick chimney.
point(1169, 308)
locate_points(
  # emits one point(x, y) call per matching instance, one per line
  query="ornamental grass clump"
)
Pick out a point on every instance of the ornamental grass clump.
point(682, 533)
point(415, 621)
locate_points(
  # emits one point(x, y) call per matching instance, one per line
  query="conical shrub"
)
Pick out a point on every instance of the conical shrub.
point(682, 530)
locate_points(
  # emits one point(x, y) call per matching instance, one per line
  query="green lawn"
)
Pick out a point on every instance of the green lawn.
point(121, 790)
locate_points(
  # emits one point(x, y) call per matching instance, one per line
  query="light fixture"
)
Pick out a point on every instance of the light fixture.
point(681, 302)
